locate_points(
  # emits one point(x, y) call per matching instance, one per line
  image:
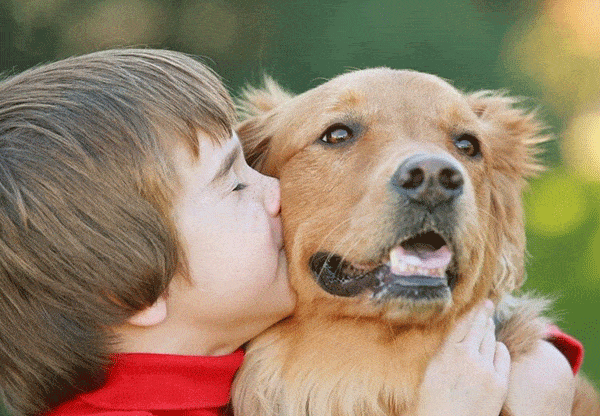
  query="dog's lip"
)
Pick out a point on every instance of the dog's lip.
point(342, 277)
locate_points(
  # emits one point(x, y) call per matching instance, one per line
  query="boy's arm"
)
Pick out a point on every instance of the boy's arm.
point(542, 382)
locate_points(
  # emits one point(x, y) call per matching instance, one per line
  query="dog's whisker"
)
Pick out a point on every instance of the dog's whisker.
point(325, 239)
point(332, 231)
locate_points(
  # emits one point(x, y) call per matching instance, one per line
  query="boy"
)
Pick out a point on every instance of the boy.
point(139, 252)
point(92, 232)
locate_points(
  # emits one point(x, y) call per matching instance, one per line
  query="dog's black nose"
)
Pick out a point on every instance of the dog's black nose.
point(428, 179)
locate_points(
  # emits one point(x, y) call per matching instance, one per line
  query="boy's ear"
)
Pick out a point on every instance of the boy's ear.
point(152, 315)
point(256, 108)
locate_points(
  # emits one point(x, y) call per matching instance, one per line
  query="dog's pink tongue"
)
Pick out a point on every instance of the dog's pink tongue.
point(400, 258)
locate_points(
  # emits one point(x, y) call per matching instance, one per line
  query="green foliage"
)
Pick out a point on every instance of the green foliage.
point(564, 255)
point(3, 411)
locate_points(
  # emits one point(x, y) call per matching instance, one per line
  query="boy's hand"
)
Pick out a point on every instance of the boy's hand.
point(541, 383)
point(469, 375)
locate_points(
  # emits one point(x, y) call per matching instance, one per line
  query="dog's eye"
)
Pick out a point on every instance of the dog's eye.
point(337, 133)
point(468, 144)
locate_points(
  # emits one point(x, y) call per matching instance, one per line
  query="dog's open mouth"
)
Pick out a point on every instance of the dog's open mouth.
point(421, 267)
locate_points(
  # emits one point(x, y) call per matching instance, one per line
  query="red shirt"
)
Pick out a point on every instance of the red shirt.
point(161, 385)
point(569, 346)
point(181, 385)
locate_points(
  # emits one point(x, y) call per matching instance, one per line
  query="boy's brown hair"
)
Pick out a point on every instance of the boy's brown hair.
point(86, 184)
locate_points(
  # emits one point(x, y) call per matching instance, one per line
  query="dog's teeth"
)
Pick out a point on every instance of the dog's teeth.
point(402, 261)
point(397, 266)
point(408, 269)
point(405, 265)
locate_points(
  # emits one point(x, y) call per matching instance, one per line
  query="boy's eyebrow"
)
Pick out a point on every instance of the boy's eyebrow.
point(228, 162)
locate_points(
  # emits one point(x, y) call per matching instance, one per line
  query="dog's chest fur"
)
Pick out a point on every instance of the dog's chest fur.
point(377, 374)
point(364, 368)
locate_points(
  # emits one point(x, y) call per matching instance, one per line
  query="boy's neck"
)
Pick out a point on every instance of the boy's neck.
point(165, 339)
point(160, 329)
point(185, 337)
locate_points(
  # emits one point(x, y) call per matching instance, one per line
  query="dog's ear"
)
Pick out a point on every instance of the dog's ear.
point(256, 109)
point(515, 135)
point(255, 101)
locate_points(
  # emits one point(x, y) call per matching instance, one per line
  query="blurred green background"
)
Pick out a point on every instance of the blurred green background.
point(547, 50)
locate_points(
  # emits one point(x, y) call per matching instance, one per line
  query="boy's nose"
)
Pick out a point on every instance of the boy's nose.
point(272, 197)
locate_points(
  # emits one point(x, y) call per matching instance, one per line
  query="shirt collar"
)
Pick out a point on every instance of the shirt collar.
point(166, 382)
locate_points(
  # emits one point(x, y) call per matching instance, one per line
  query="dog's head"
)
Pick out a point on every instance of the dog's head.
point(400, 195)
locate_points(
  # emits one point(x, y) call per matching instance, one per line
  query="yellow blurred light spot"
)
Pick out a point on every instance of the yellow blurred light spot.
point(581, 18)
point(581, 146)
point(547, 54)
point(555, 205)
point(116, 23)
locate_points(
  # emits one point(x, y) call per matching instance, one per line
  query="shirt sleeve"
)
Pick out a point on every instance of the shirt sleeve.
point(570, 347)
point(107, 413)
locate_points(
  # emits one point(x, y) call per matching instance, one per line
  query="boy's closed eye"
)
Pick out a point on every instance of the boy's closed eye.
point(228, 162)
point(239, 187)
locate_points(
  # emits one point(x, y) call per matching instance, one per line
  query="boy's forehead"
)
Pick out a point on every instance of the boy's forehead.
point(214, 158)
point(208, 146)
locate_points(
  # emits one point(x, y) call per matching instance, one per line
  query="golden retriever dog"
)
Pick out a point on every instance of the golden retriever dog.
point(401, 206)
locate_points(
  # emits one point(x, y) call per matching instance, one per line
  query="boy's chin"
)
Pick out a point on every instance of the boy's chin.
point(281, 308)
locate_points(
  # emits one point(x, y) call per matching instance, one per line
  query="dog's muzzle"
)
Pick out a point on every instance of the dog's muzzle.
point(421, 264)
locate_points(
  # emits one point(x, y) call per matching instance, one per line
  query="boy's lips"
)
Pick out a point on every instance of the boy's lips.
point(278, 233)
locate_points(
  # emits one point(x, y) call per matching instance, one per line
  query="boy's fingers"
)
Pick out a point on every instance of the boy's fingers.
point(502, 360)
point(461, 328)
point(464, 324)
point(476, 332)
point(488, 344)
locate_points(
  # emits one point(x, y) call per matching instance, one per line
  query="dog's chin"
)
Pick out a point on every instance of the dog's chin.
point(418, 273)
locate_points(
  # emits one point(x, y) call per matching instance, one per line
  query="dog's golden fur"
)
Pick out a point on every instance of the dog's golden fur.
point(358, 354)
